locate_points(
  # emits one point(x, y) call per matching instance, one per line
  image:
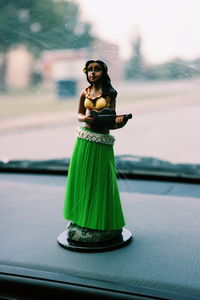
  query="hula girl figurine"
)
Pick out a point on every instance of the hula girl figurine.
point(92, 201)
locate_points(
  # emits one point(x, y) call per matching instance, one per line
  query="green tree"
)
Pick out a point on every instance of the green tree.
point(135, 65)
point(179, 69)
point(40, 25)
point(173, 70)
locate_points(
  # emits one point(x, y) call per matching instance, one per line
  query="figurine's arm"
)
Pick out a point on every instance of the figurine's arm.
point(82, 111)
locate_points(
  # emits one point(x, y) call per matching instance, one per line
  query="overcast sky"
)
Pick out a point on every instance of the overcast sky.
point(169, 28)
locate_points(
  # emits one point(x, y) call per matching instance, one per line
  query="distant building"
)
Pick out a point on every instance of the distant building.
point(19, 64)
point(63, 64)
point(60, 66)
point(67, 64)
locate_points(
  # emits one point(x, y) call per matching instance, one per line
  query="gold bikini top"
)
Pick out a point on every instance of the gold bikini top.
point(94, 103)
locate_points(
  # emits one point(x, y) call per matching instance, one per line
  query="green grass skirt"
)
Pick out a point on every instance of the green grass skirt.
point(92, 198)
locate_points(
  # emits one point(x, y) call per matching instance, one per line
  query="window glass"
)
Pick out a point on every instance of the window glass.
point(152, 51)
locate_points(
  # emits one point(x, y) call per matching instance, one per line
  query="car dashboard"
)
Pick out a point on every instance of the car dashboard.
point(161, 262)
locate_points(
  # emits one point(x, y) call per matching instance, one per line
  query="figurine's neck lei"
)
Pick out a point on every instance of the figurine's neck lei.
point(87, 94)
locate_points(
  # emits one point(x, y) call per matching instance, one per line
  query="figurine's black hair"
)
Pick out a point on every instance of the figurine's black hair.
point(107, 87)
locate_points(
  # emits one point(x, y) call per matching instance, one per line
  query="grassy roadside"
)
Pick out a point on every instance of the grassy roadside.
point(39, 101)
point(159, 90)
point(13, 105)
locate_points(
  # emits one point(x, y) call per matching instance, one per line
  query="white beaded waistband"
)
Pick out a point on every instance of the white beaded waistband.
point(95, 137)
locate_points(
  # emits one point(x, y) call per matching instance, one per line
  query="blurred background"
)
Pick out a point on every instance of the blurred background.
point(152, 51)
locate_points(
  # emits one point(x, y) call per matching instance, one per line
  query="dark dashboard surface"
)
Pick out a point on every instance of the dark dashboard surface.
point(162, 261)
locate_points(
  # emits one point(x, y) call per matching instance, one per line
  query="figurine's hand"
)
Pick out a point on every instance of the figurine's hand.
point(119, 119)
point(89, 120)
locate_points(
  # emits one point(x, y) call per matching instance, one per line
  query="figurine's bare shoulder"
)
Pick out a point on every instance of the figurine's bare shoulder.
point(85, 92)
point(82, 96)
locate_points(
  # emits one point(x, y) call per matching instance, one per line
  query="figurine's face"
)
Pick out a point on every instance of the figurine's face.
point(94, 72)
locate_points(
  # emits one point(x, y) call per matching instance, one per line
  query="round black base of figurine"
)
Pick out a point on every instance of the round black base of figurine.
point(123, 239)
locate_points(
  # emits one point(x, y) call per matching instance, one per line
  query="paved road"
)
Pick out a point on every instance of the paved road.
point(164, 130)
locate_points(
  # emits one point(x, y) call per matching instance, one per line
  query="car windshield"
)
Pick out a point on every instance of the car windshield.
point(152, 52)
